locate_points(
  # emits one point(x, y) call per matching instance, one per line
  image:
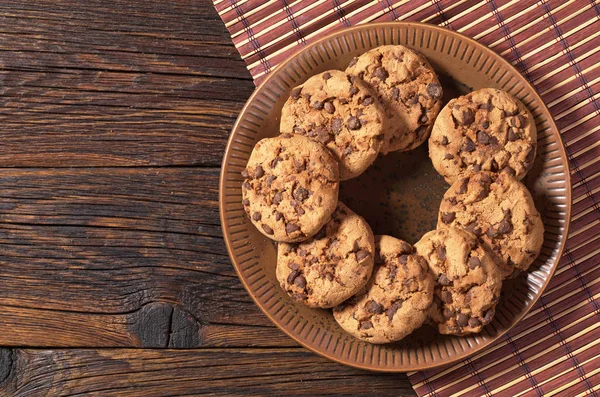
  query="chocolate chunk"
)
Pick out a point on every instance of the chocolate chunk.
point(326, 76)
point(300, 282)
point(300, 165)
point(474, 262)
point(299, 130)
point(520, 121)
point(483, 138)
point(291, 228)
point(301, 194)
point(292, 276)
point(277, 198)
point(485, 124)
point(468, 145)
point(403, 259)
point(278, 216)
point(530, 156)
point(246, 202)
point(329, 108)
point(259, 171)
point(406, 247)
point(512, 135)
point(491, 233)
point(362, 255)
point(421, 131)
point(336, 125)
point(423, 119)
point(467, 117)
point(294, 266)
point(275, 161)
point(448, 217)
point(462, 320)
point(473, 228)
point(448, 156)
point(446, 296)
point(488, 316)
point(353, 90)
point(300, 210)
point(394, 308)
point(493, 166)
point(353, 123)
point(380, 73)
point(395, 93)
point(256, 216)
point(267, 229)
point(434, 90)
point(246, 185)
point(317, 105)
point(452, 200)
point(486, 106)
point(270, 180)
point(367, 101)
point(485, 191)
point(505, 227)
point(509, 170)
point(441, 252)
point(474, 323)
point(295, 94)
point(374, 307)
point(443, 280)
point(462, 189)
point(361, 75)
point(245, 173)
point(476, 167)
point(393, 270)
point(414, 100)
point(365, 325)
point(444, 141)
point(447, 313)
point(299, 297)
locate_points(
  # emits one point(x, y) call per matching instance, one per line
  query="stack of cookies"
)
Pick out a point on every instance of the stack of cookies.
point(381, 289)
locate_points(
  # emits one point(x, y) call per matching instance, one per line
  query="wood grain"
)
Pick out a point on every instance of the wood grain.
point(121, 372)
point(106, 252)
point(86, 83)
point(115, 115)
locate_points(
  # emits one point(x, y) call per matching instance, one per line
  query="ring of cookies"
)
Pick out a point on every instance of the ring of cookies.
point(381, 288)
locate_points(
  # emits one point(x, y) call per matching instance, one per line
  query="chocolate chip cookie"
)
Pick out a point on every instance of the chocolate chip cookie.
point(408, 89)
point(468, 282)
point(500, 211)
point(330, 267)
point(340, 112)
point(485, 130)
point(396, 299)
point(290, 188)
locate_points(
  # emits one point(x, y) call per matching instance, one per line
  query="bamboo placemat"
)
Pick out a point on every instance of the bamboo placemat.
point(556, 45)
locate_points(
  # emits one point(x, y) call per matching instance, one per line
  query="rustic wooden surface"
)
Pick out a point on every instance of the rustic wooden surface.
point(115, 115)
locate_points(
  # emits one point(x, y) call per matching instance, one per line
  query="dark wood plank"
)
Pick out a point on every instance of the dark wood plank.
point(120, 257)
point(122, 372)
point(120, 84)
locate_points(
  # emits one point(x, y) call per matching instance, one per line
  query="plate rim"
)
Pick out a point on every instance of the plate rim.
point(375, 26)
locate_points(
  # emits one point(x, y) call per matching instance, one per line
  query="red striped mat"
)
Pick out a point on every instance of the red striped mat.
point(556, 45)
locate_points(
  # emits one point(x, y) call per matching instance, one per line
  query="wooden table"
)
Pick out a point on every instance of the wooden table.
point(114, 277)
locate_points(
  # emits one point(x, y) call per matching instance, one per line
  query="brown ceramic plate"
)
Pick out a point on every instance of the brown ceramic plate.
point(399, 195)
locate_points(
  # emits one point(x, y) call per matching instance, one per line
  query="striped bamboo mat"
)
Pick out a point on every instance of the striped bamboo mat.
point(556, 45)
